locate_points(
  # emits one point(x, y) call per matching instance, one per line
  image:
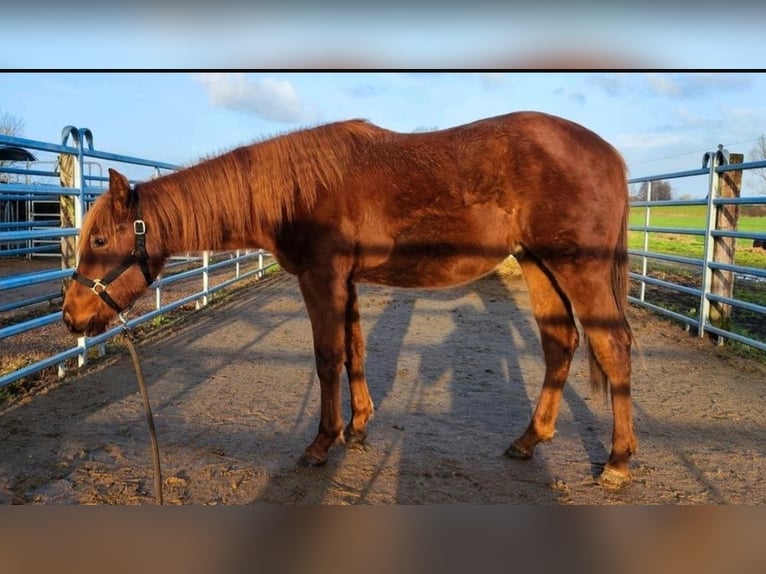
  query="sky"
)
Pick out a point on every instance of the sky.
point(660, 121)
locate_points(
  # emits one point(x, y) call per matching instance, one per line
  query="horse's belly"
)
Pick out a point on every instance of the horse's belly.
point(435, 267)
point(440, 250)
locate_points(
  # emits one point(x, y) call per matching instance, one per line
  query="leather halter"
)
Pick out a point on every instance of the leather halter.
point(138, 255)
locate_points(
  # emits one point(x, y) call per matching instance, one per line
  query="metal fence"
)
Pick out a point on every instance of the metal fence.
point(714, 278)
point(23, 185)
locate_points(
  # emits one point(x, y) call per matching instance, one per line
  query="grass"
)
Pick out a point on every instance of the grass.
point(693, 217)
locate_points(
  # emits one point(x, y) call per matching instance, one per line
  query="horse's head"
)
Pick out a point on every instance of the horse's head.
point(117, 260)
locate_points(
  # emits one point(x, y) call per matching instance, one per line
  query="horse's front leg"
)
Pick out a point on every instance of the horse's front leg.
point(325, 293)
point(361, 403)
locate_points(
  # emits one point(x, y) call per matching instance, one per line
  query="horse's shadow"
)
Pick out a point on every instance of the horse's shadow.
point(475, 372)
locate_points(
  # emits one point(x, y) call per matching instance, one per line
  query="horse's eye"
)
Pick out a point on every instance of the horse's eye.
point(99, 242)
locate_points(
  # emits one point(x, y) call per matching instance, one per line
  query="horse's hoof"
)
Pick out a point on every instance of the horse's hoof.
point(308, 459)
point(354, 438)
point(612, 479)
point(517, 453)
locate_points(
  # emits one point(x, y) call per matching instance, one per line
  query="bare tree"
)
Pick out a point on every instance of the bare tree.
point(11, 124)
point(758, 153)
point(661, 191)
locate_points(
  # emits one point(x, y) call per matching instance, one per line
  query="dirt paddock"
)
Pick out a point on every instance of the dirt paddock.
point(454, 375)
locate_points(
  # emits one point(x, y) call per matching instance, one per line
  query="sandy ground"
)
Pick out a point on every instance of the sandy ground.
point(454, 375)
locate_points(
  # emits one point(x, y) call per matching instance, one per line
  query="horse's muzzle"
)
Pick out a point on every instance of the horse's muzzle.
point(69, 322)
point(93, 326)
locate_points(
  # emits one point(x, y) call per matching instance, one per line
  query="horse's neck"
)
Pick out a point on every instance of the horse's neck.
point(197, 223)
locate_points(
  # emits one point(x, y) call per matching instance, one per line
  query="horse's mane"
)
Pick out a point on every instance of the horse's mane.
point(263, 183)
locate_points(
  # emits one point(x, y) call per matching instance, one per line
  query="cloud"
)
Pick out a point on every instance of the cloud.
point(492, 80)
point(691, 85)
point(578, 98)
point(670, 85)
point(647, 140)
point(688, 119)
point(612, 84)
point(366, 90)
point(268, 98)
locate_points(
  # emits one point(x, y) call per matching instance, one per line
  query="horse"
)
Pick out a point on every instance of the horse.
point(350, 202)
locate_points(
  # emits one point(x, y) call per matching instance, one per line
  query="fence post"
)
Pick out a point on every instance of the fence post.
point(726, 216)
point(68, 175)
point(80, 136)
point(715, 159)
point(644, 258)
point(205, 280)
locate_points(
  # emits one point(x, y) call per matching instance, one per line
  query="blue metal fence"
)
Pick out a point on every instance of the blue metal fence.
point(22, 315)
point(715, 166)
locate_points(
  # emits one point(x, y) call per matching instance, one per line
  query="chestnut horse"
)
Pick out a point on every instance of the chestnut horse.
point(351, 202)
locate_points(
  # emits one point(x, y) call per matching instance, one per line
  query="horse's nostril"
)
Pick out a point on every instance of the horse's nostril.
point(68, 321)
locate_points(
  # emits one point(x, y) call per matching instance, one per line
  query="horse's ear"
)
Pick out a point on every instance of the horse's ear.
point(119, 188)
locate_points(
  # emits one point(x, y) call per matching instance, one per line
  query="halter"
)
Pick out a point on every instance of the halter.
point(138, 255)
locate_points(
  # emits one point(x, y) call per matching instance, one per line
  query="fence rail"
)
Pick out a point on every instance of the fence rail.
point(202, 275)
point(715, 273)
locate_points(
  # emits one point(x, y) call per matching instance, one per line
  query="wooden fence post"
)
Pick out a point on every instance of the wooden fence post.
point(724, 247)
point(66, 165)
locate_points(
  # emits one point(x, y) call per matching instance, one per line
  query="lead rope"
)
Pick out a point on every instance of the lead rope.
point(127, 337)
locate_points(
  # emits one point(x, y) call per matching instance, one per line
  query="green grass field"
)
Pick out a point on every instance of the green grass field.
point(691, 246)
point(693, 217)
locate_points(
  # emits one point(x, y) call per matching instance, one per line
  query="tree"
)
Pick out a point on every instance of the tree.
point(758, 153)
point(11, 124)
point(661, 191)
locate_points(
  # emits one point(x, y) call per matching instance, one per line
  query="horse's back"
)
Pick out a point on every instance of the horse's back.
point(444, 207)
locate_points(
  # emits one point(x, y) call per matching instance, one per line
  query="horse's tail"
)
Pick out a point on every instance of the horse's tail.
point(620, 286)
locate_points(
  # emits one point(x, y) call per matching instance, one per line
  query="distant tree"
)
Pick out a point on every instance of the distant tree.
point(661, 191)
point(758, 153)
point(11, 124)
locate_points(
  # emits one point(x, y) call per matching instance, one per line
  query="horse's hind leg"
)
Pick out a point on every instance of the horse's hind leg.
point(610, 341)
point(361, 402)
point(559, 338)
point(590, 290)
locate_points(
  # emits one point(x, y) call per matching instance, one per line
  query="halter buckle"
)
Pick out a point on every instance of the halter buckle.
point(98, 287)
point(139, 227)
